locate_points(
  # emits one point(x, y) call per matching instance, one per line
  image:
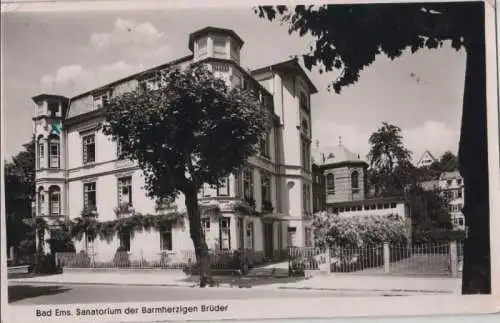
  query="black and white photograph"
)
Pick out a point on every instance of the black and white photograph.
point(176, 162)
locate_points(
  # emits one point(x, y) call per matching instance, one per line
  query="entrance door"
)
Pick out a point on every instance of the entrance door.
point(268, 240)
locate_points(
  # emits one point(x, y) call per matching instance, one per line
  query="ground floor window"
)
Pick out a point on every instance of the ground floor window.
point(292, 232)
point(166, 240)
point(249, 235)
point(225, 234)
point(125, 241)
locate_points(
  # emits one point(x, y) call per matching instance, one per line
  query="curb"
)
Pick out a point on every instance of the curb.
point(193, 285)
point(229, 286)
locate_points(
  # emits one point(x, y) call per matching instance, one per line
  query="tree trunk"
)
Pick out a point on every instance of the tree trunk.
point(200, 245)
point(473, 160)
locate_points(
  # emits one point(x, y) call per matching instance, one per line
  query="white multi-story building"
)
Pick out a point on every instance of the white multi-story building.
point(78, 166)
point(451, 185)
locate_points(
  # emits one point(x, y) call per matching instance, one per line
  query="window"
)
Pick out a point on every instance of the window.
point(248, 184)
point(266, 187)
point(461, 221)
point(55, 200)
point(448, 182)
point(100, 100)
point(53, 108)
point(459, 182)
point(41, 152)
point(166, 237)
point(88, 149)
point(225, 234)
point(125, 241)
point(304, 198)
point(219, 46)
point(264, 145)
point(40, 108)
point(149, 83)
point(223, 187)
point(355, 181)
point(330, 184)
point(41, 201)
point(205, 226)
point(308, 237)
point(125, 190)
point(54, 152)
point(89, 196)
point(459, 194)
point(249, 235)
point(305, 153)
point(202, 46)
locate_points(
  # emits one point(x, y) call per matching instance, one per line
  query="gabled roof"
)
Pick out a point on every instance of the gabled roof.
point(287, 66)
point(426, 153)
point(44, 96)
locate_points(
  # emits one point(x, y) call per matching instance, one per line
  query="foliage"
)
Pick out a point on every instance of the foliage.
point(19, 193)
point(170, 131)
point(192, 129)
point(434, 236)
point(60, 240)
point(429, 210)
point(46, 264)
point(447, 163)
point(357, 231)
point(350, 37)
point(390, 166)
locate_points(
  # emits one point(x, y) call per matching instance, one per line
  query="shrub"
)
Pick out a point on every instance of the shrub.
point(358, 231)
point(436, 236)
point(81, 260)
point(46, 264)
point(121, 259)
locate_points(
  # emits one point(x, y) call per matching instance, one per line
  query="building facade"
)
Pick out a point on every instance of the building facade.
point(451, 186)
point(346, 188)
point(78, 167)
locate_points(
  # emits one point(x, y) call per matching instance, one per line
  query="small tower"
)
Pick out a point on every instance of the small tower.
point(49, 147)
point(345, 174)
point(220, 48)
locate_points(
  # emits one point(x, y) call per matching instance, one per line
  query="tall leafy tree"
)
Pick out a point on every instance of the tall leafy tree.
point(19, 193)
point(193, 129)
point(448, 162)
point(350, 37)
point(390, 167)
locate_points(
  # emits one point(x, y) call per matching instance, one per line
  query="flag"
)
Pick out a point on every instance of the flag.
point(55, 128)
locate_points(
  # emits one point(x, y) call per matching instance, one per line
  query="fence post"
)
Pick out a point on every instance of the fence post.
point(453, 259)
point(387, 257)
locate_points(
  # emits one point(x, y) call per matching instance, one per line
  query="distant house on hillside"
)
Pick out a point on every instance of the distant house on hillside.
point(426, 160)
point(451, 185)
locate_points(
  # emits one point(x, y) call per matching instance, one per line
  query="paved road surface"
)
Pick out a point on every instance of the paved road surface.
point(23, 294)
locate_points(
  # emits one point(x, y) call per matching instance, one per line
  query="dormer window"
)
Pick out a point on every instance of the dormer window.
point(149, 83)
point(101, 99)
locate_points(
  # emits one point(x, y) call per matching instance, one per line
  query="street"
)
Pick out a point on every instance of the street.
point(25, 294)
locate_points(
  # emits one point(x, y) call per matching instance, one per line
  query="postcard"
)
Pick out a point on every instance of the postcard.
point(234, 160)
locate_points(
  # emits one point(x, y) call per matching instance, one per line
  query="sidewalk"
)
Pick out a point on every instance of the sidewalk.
point(333, 282)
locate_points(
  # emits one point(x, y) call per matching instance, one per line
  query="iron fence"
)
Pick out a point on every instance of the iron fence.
point(174, 260)
point(437, 259)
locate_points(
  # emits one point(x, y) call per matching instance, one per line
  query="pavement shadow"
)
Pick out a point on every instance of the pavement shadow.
point(20, 292)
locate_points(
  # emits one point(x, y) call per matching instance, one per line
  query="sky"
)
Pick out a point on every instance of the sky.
point(69, 53)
